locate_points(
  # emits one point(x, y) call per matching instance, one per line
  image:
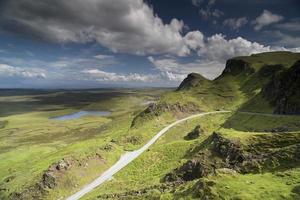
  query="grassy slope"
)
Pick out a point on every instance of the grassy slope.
point(284, 58)
point(229, 92)
point(31, 141)
point(172, 151)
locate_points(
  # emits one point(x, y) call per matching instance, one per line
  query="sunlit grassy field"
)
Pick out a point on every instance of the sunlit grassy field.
point(146, 173)
point(31, 141)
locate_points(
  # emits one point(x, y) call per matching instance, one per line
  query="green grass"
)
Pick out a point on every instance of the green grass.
point(172, 151)
point(261, 123)
point(169, 152)
point(277, 186)
point(31, 141)
point(280, 57)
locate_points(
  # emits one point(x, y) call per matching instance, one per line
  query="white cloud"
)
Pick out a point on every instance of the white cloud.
point(97, 61)
point(266, 18)
point(102, 76)
point(213, 53)
point(11, 71)
point(218, 48)
point(129, 26)
point(235, 23)
point(179, 70)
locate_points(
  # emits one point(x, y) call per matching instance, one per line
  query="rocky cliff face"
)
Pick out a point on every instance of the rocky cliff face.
point(236, 66)
point(283, 91)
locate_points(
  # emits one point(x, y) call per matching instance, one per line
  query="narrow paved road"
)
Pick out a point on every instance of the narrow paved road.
point(130, 156)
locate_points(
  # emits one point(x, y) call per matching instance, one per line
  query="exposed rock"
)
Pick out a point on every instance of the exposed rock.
point(236, 66)
point(194, 134)
point(63, 164)
point(51, 178)
point(235, 156)
point(283, 91)
point(48, 180)
point(198, 167)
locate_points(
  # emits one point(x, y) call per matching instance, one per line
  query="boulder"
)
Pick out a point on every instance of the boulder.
point(194, 134)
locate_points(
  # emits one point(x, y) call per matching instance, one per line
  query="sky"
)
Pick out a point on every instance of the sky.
point(135, 43)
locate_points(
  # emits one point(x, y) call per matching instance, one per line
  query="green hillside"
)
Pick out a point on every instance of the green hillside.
point(238, 87)
point(250, 153)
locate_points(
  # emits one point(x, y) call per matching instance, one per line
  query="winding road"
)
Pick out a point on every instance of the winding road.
point(130, 156)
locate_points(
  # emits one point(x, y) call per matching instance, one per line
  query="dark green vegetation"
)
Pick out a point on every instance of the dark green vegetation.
point(249, 153)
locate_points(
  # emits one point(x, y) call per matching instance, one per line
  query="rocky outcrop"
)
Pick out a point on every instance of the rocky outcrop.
point(235, 156)
point(199, 166)
point(192, 80)
point(51, 177)
point(236, 66)
point(264, 153)
point(283, 91)
point(155, 110)
point(194, 134)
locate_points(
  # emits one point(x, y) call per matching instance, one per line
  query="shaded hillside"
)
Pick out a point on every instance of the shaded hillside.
point(283, 91)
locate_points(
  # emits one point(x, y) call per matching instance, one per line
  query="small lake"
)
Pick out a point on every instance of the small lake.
point(81, 114)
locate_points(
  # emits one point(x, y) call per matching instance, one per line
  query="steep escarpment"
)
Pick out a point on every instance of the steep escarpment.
point(236, 66)
point(283, 91)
